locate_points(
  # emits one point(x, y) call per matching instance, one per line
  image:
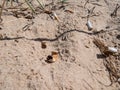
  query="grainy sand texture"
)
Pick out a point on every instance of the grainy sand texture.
point(59, 32)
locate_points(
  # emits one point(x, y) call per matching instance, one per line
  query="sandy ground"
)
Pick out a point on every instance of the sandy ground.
point(23, 63)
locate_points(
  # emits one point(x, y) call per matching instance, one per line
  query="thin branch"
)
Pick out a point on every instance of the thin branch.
point(115, 11)
point(86, 3)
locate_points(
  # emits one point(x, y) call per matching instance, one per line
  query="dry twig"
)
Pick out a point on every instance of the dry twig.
point(2, 7)
point(86, 3)
point(114, 14)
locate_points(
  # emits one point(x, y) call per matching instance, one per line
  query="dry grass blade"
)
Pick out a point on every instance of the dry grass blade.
point(56, 17)
point(11, 1)
point(112, 66)
point(99, 44)
point(27, 1)
point(2, 9)
point(41, 5)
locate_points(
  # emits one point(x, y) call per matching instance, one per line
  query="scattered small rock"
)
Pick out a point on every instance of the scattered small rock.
point(43, 45)
point(118, 37)
point(119, 80)
point(0, 28)
point(107, 27)
point(16, 41)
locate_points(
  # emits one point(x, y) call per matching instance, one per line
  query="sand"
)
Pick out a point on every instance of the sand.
point(23, 63)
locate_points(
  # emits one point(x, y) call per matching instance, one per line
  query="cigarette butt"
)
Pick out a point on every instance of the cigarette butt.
point(89, 24)
point(112, 49)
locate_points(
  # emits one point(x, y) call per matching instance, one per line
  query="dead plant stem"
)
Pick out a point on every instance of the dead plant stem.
point(2, 8)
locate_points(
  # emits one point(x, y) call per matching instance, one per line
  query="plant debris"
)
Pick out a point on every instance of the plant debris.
point(111, 63)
